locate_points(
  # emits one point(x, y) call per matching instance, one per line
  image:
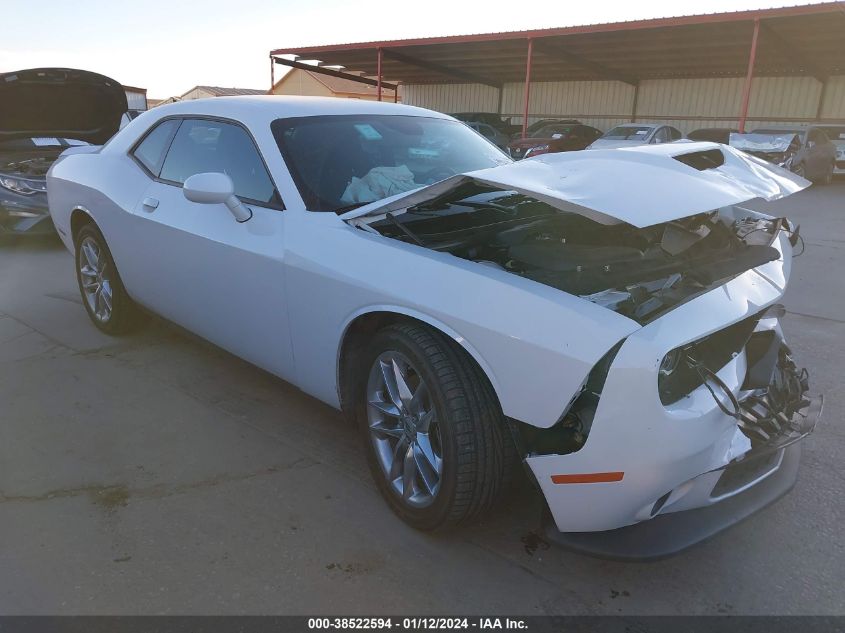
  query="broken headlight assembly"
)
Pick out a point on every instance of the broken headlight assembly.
point(22, 186)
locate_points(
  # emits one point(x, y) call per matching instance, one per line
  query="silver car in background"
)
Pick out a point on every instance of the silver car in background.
point(631, 134)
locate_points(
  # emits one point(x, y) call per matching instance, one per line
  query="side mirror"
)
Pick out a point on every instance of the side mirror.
point(215, 188)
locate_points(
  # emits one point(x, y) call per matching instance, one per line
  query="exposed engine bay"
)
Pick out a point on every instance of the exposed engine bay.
point(638, 272)
point(33, 162)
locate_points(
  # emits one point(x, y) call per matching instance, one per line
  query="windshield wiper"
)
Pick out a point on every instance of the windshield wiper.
point(350, 207)
point(392, 219)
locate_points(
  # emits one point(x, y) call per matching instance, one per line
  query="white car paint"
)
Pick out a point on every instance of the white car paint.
point(281, 289)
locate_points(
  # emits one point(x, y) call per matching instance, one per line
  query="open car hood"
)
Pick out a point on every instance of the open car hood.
point(643, 185)
point(762, 142)
point(60, 102)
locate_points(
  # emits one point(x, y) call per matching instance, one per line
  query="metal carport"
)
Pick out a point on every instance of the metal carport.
point(801, 42)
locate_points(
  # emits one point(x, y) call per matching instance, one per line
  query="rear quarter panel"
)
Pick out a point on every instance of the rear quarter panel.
point(107, 187)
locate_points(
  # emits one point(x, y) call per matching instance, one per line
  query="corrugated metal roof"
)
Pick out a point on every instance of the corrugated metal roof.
point(217, 91)
point(795, 40)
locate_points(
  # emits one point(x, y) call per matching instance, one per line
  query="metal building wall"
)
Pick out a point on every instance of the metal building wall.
point(684, 103)
point(834, 98)
point(136, 100)
point(452, 97)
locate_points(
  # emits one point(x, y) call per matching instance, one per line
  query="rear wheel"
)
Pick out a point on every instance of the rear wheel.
point(103, 294)
point(432, 427)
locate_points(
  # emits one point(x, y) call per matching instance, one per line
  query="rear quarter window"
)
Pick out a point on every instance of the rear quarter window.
point(151, 150)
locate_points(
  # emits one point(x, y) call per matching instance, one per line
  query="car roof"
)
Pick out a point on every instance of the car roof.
point(774, 129)
point(259, 111)
point(277, 106)
point(640, 125)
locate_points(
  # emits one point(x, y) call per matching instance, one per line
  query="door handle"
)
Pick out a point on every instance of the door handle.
point(150, 204)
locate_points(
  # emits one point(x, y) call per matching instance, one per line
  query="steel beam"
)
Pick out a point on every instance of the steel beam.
point(552, 50)
point(378, 73)
point(440, 68)
point(333, 73)
point(527, 93)
point(789, 51)
point(749, 76)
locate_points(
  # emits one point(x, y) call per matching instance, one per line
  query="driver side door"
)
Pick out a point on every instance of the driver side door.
point(202, 269)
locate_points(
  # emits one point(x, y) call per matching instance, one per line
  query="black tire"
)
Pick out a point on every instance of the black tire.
point(828, 176)
point(125, 315)
point(476, 450)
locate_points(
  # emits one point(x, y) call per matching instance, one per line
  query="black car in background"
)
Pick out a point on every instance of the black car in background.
point(492, 119)
point(836, 134)
point(713, 134)
point(44, 111)
point(806, 151)
point(534, 127)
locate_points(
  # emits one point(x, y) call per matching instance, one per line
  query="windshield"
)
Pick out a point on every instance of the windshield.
point(548, 130)
point(340, 162)
point(836, 133)
point(627, 133)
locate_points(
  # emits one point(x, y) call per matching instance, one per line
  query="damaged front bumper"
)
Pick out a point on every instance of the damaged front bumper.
point(716, 500)
point(688, 466)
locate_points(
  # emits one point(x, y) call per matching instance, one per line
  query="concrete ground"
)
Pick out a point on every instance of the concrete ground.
point(156, 475)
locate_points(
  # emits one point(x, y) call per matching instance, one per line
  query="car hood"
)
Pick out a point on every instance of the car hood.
point(642, 185)
point(767, 143)
point(530, 142)
point(60, 102)
point(610, 143)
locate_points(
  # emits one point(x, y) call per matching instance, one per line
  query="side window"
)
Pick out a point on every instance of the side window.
point(150, 152)
point(675, 134)
point(214, 146)
point(662, 135)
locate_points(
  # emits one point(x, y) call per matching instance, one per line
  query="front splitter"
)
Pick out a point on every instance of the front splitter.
point(670, 534)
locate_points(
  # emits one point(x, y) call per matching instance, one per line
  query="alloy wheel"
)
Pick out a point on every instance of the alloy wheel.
point(404, 429)
point(96, 281)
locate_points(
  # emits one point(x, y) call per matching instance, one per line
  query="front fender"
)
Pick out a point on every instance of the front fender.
point(535, 343)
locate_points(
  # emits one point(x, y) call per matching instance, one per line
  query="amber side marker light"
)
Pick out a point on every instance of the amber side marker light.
point(588, 478)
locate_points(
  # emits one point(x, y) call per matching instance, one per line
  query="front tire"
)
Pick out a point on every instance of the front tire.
point(105, 299)
point(432, 427)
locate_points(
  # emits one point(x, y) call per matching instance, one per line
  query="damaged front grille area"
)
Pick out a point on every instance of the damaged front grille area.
point(784, 411)
point(686, 368)
point(774, 407)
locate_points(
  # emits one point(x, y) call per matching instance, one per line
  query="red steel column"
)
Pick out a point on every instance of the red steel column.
point(746, 90)
point(272, 74)
point(378, 74)
point(527, 87)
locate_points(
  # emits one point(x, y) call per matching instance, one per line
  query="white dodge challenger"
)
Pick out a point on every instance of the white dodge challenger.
point(607, 318)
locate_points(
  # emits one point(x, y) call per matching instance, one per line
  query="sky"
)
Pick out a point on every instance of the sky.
point(168, 46)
